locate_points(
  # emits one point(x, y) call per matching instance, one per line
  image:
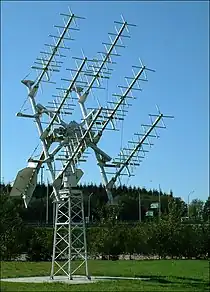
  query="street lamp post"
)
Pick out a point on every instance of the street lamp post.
point(159, 202)
point(41, 181)
point(89, 207)
point(47, 202)
point(188, 203)
point(139, 207)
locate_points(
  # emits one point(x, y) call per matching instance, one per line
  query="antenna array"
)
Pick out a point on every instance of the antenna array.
point(133, 154)
point(50, 59)
point(65, 142)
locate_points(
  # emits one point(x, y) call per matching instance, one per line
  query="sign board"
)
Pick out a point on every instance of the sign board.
point(149, 213)
point(154, 206)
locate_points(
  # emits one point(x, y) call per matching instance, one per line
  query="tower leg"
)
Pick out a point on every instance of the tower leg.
point(55, 219)
point(69, 244)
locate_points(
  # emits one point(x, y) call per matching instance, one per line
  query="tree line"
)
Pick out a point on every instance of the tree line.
point(133, 204)
point(117, 229)
point(167, 237)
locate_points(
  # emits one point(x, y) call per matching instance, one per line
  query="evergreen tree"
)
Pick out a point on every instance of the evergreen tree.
point(206, 210)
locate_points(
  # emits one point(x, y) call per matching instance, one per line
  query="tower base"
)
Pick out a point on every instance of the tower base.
point(69, 243)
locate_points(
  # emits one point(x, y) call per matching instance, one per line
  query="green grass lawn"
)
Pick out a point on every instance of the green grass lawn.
point(165, 275)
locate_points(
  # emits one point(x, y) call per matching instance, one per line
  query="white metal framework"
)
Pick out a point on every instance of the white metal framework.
point(65, 142)
point(69, 244)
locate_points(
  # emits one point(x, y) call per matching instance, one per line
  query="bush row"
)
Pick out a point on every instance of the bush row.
point(165, 239)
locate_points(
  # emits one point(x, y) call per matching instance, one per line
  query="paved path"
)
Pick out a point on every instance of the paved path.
point(77, 279)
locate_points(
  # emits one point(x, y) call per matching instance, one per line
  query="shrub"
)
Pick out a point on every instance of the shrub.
point(11, 228)
point(40, 245)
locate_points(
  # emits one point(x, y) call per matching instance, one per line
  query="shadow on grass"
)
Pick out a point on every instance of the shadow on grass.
point(181, 281)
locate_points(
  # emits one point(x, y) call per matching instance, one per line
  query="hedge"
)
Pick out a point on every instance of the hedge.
point(165, 239)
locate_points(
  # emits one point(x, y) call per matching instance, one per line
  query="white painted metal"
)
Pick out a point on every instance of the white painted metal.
point(25, 183)
point(69, 225)
point(69, 246)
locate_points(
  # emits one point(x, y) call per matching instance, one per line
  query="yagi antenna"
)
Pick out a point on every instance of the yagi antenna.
point(98, 67)
point(134, 154)
point(48, 61)
point(65, 141)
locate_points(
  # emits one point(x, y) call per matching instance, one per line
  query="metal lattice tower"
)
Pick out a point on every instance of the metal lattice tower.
point(69, 242)
point(65, 141)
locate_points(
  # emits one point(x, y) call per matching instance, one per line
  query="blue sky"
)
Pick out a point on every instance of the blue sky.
point(170, 37)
